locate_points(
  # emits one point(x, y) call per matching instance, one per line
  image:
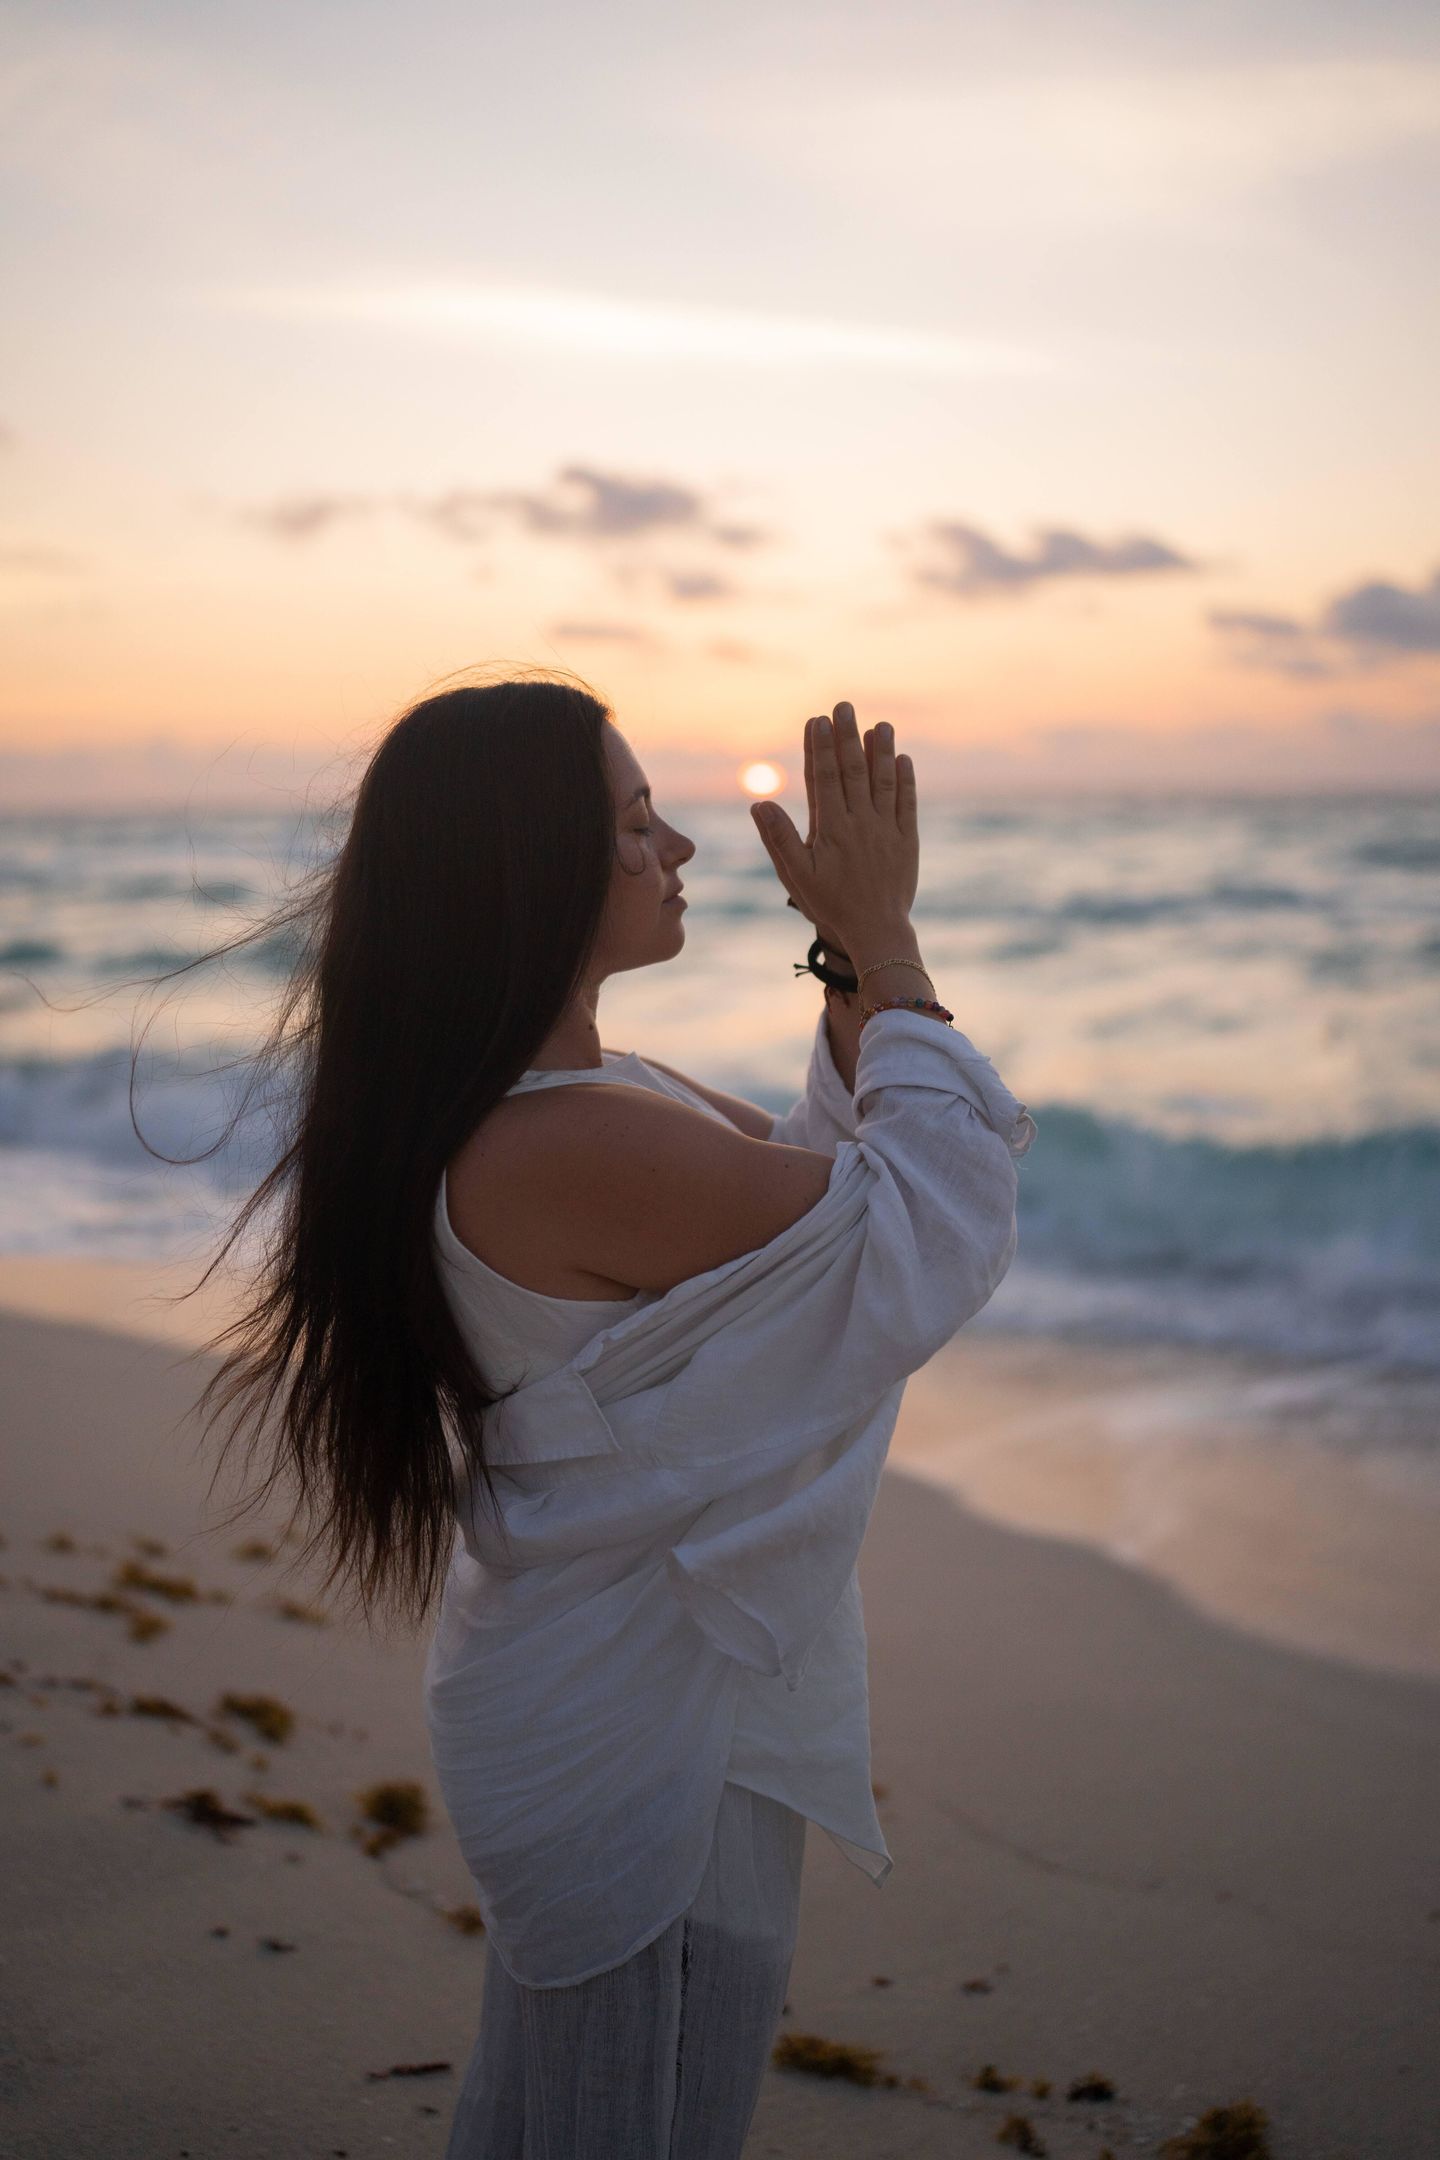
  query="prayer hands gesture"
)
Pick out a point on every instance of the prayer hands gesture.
point(859, 863)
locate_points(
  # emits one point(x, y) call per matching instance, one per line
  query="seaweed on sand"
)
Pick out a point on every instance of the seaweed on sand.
point(160, 1706)
point(398, 1808)
point(830, 2058)
point(465, 1919)
point(1238, 2132)
point(205, 1807)
point(1091, 2087)
point(272, 1719)
point(134, 1575)
point(286, 1811)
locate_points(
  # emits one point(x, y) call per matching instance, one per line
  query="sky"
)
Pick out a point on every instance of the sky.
point(1056, 382)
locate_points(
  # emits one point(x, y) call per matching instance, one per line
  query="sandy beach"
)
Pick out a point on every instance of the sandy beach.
point(1155, 1672)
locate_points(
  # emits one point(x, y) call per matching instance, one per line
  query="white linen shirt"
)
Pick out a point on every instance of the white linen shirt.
point(669, 1599)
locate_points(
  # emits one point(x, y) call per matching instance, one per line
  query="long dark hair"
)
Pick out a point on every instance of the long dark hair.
point(435, 952)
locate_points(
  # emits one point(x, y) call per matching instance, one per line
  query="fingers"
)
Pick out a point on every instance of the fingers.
point(850, 757)
point(882, 768)
point(780, 838)
point(906, 814)
point(830, 802)
point(840, 764)
point(810, 779)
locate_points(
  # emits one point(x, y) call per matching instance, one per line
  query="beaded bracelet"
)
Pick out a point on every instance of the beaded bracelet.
point(930, 1005)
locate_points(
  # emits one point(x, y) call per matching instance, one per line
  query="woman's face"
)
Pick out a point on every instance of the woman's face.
point(642, 922)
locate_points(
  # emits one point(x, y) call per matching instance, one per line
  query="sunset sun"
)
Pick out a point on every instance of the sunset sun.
point(763, 778)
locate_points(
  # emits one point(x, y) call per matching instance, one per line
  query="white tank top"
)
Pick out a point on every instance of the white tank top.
point(520, 1334)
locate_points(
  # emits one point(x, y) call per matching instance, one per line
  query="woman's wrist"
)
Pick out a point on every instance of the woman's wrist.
point(842, 1031)
point(877, 944)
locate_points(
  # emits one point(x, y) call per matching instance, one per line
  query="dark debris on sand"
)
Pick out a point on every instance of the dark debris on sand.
point(134, 1575)
point(144, 1625)
point(1019, 2131)
point(1238, 2132)
point(273, 1720)
point(830, 2059)
point(465, 1919)
point(299, 1812)
point(399, 1809)
point(160, 1706)
point(205, 1807)
point(1091, 2087)
point(430, 2069)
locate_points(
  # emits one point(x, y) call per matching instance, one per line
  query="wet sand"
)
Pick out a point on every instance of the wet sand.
point(1131, 1837)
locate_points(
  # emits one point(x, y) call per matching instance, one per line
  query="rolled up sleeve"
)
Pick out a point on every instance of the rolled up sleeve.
point(793, 1408)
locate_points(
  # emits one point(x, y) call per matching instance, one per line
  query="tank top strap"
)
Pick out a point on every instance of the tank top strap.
point(621, 1065)
point(627, 1066)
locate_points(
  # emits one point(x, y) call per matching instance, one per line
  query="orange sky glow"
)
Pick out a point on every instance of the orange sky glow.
point(1062, 394)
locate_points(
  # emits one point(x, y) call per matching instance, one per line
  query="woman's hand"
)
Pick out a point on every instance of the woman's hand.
point(849, 864)
point(834, 946)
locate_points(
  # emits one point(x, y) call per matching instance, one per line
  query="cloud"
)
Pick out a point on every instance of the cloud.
point(1264, 626)
point(698, 585)
point(739, 536)
point(303, 517)
point(1369, 626)
point(1387, 616)
point(603, 506)
point(599, 506)
point(598, 509)
point(602, 632)
point(977, 564)
point(649, 331)
point(1281, 644)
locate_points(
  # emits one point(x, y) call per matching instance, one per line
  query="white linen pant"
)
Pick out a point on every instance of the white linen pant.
point(661, 2057)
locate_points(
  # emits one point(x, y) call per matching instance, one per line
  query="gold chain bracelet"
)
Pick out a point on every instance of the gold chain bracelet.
point(860, 978)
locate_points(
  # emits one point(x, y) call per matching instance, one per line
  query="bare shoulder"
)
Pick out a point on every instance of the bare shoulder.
point(749, 1117)
point(623, 1187)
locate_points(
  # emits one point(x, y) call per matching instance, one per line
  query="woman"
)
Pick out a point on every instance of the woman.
point(664, 1334)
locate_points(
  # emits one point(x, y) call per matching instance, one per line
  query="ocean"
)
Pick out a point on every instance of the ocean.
point(1224, 1015)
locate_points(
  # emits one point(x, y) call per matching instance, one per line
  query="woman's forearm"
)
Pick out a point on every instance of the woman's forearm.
point(905, 975)
point(842, 1032)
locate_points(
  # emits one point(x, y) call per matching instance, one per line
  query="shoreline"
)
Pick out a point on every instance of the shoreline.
point(1297, 1502)
point(1126, 1840)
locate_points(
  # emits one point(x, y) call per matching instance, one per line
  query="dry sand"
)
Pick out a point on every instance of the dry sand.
point(1131, 1837)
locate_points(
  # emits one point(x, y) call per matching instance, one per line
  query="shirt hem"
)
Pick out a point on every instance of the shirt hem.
point(595, 1971)
point(857, 1854)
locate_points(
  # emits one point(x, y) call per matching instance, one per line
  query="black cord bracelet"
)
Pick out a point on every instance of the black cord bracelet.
point(833, 978)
